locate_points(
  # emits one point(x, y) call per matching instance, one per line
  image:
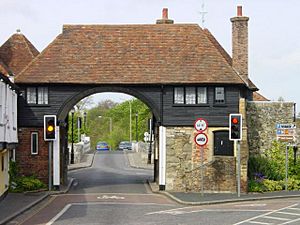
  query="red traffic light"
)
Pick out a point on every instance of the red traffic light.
point(235, 120)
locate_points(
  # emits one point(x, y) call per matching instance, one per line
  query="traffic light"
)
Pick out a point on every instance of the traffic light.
point(49, 127)
point(235, 127)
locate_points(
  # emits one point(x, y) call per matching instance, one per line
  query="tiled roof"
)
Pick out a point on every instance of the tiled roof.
point(17, 52)
point(4, 69)
point(131, 54)
point(258, 97)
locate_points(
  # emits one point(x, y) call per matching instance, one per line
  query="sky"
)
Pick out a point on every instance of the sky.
point(274, 32)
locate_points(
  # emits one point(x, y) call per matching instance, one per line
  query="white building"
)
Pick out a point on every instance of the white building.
point(8, 128)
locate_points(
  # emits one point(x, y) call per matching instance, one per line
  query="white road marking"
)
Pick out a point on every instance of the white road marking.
point(292, 221)
point(250, 220)
point(295, 208)
point(110, 197)
point(59, 214)
point(251, 205)
point(178, 211)
point(288, 213)
point(259, 222)
point(276, 218)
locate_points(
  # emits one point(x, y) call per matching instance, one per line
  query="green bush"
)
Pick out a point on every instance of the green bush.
point(254, 186)
point(262, 165)
point(272, 185)
point(22, 183)
point(293, 184)
point(30, 183)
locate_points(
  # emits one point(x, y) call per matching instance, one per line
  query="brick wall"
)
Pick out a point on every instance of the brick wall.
point(32, 164)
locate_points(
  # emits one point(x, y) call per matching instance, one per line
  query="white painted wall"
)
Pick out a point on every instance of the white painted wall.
point(8, 111)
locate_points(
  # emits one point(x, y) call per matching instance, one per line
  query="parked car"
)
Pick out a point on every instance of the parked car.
point(125, 145)
point(102, 146)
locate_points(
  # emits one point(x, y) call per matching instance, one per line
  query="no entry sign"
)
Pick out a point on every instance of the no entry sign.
point(200, 125)
point(201, 139)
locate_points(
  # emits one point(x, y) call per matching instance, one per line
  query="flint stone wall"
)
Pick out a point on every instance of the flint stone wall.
point(262, 118)
point(183, 164)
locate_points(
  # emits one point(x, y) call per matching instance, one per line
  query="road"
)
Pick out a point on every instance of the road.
point(110, 192)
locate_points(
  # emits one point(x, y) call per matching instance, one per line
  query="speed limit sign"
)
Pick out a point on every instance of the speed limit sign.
point(201, 139)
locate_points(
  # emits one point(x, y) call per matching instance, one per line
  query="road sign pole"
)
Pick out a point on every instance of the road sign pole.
point(237, 144)
point(201, 171)
point(286, 167)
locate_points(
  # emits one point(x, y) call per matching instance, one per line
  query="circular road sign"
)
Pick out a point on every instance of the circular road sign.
point(200, 124)
point(201, 139)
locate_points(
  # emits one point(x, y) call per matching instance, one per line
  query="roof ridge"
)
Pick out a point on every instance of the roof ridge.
point(27, 45)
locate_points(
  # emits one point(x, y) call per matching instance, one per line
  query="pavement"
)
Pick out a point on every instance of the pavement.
point(16, 203)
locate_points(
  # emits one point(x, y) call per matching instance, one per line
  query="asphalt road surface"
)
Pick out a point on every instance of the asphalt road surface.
point(110, 192)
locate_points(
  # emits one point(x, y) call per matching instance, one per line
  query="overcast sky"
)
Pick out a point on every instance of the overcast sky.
point(274, 31)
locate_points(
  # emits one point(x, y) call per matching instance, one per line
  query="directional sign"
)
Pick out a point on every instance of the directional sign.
point(201, 139)
point(286, 132)
point(200, 125)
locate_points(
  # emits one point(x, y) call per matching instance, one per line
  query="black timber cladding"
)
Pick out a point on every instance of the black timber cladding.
point(159, 98)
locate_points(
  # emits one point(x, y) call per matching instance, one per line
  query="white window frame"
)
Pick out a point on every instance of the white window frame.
point(31, 95)
point(190, 95)
point(179, 95)
point(218, 98)
point(37, 95)
point(36, 144)
point(201, 95)
point(42, 95)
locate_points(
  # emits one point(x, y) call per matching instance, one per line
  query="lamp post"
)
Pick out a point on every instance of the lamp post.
point(130, 128)
point(136, 127)
point(72, 137)
point(84, 122)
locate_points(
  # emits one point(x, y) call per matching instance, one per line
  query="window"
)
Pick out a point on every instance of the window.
point(37, 95)
point(34, 143)
point(219, 95)
point(201, 95)
point(42, 95)
point(190, 95)
point(14, 108)
point(222, 144)
point(179, 95)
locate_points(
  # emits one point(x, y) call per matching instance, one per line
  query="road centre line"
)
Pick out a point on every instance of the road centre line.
point(266, 214)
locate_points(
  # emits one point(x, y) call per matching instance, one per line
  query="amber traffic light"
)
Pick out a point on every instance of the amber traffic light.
point(49, 127)
point(235, 127)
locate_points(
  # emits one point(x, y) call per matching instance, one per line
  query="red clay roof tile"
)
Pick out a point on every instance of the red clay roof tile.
point(17, 52)
point(130, 54)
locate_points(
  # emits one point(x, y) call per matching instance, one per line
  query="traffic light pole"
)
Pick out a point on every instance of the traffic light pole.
point(238, 146)
point(50, 165)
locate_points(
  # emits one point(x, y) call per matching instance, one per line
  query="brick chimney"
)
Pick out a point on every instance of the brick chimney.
point(240, 43)
point(165, 19)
